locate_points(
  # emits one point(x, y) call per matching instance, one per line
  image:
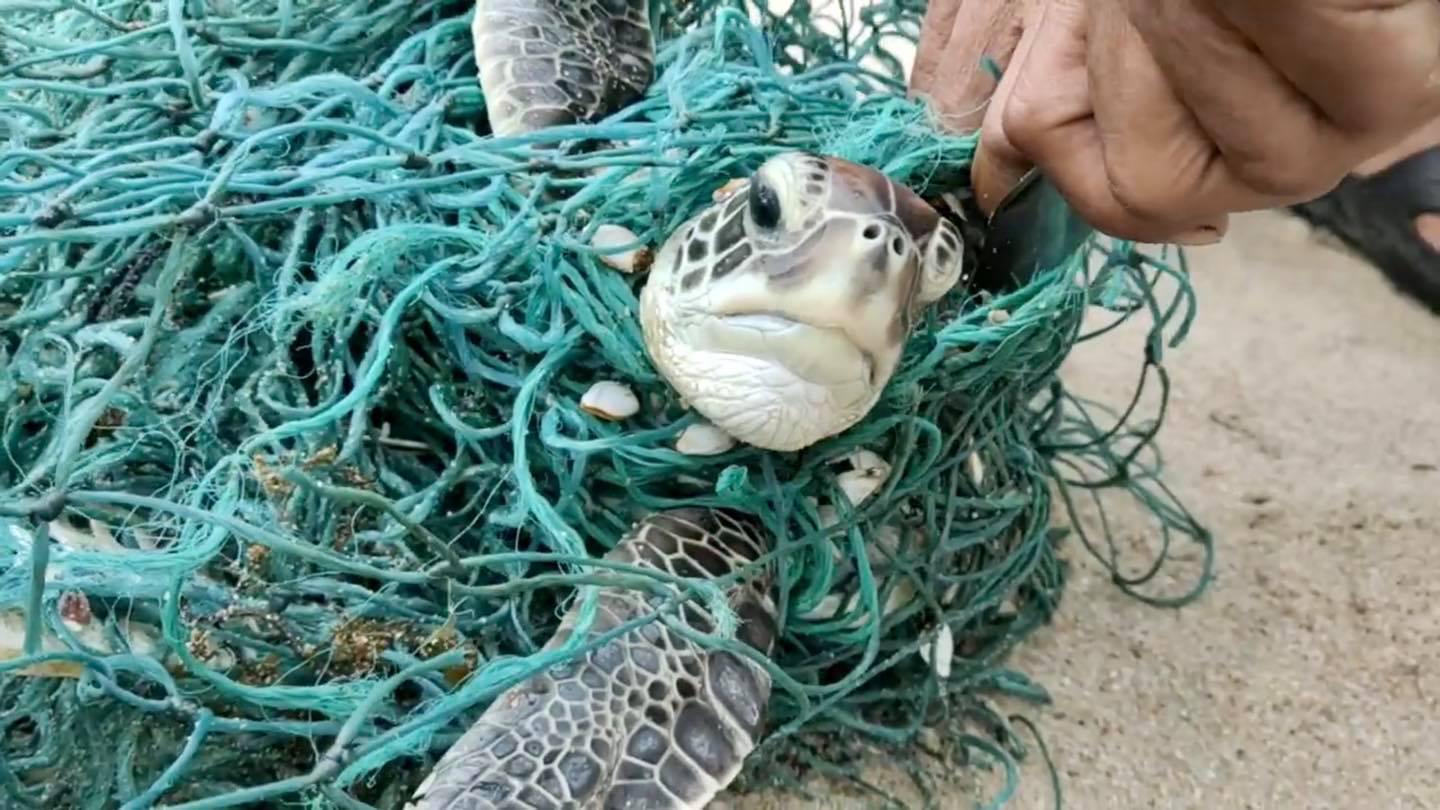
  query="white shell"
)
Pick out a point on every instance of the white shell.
point(220, 658)
point(610, 400)
point(828, 515)
point(827, 608)
point(704, 439)
point(834, 604)
point(867, 475)
point(866, 459)
point(999, 316)
point(900, 596)
point(883, 546)
point(976, 468)
point(609, 238)
point(940, 653)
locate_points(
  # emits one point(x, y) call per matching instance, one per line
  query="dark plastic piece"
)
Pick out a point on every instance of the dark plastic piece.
point(1375, 217)
point(1032, 230)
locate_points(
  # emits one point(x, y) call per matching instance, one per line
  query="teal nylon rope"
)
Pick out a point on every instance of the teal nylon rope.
point(293, 474)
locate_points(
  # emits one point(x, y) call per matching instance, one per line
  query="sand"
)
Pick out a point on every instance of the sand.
point(1304, 431)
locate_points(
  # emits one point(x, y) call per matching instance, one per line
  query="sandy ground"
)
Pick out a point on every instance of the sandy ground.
point(1305, 432)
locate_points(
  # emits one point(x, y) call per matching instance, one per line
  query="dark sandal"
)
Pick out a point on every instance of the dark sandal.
point(1375, 216)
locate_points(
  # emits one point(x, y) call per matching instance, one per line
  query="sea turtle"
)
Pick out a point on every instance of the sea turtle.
point(779, 313)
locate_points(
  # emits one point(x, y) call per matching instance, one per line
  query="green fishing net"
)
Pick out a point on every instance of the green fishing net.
point(293, 473)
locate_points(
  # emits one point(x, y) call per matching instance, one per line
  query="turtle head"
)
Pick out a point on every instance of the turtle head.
point(811, 273)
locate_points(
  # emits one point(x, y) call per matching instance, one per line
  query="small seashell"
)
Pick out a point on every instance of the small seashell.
point(704, 439)
point(609, 238)
point(731, 186)
point(221, 659)
point(863, 459)
point(999, 316)
point(867, 474)
point(940, 653)
point(828, 516)
point(827, 609)
point(883, 546)
point(950, 594)
point(858, 485)
point(976, 468)
point(611, 401)
point(900, 596)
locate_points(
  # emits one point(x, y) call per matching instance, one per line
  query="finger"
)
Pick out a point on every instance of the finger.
point(1270, 138)
point(1154, 156)
point(1370, 66)
point(984, 30)
point(998, 165)
point(1041, 104)
point(935, 30)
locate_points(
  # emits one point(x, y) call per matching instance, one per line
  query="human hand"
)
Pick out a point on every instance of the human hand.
point(954, 39)
point(1158, 120)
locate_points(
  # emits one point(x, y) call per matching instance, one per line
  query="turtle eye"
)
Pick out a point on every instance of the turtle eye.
point(764, 204)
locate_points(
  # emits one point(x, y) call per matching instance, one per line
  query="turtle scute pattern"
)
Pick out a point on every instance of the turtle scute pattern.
point(546, 63)
point(649, 720)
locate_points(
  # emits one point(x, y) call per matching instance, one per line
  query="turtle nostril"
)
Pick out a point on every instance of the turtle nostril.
point(898, 245)
point(871, 231)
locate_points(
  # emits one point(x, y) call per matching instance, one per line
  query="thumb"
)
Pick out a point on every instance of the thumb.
point(997, 166)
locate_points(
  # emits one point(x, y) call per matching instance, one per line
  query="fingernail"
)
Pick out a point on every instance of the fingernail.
point(1200, 237)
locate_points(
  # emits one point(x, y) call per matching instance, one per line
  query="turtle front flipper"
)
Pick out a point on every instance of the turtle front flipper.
point(545, 63)
point(648, 720)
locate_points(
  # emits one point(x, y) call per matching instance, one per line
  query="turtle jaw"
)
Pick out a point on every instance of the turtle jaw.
point(768, 380)
point(815, 353)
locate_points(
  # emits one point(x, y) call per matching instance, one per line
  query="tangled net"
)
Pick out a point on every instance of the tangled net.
point(294, 478)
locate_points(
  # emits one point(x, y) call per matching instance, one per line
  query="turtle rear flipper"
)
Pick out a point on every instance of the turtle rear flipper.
point(648, 720)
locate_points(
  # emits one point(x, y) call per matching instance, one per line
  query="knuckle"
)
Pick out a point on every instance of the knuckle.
point(1023, 123)
point(1145, 197)
point(1286, 176)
